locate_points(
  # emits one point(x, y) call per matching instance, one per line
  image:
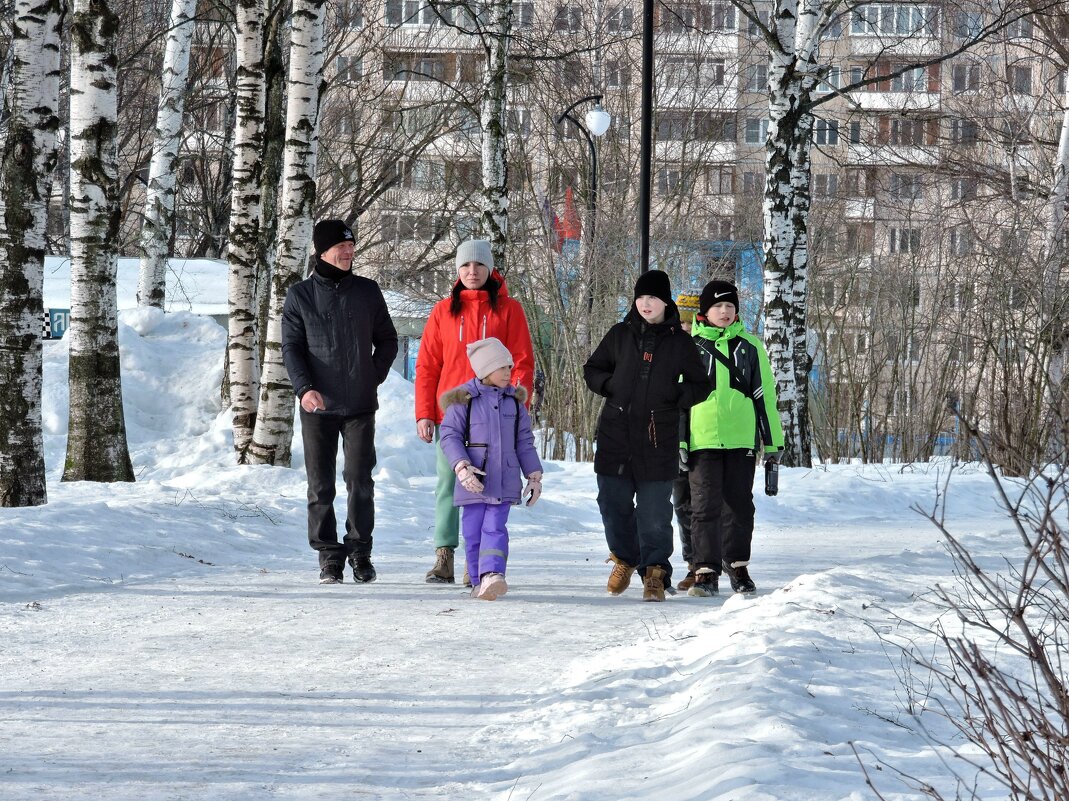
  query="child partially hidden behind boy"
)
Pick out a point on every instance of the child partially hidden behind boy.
point(485, 433)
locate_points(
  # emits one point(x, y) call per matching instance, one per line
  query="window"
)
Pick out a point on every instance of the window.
point(1020, 28)
point(895, 19)
point(410, 12)
point(965, 78)
point(397, 227)
point(964, 132)
point(621, 19)
point(831, 81)
point(720, 180)
point(423, 174)
point(669, 179)
point(960, 240)
point(523, 15)
point(348, 69)
point(705, 126)
point(964, 188)
point(753, 183)
point(751, 27)
point(350, 13)
point(825, 184)
point(519, 121)
point(834, 29)
point(861, 183)
point(413, 67)
point(1019, 79)
point(757, 78)
point(826, 132)
point(718, 228)
point(756, 131)
point(967, 24)
point(906, 132)
point(914, 80)
point(723, 16)
point(691, 71)
point(855, 132)
point(905, 240)
point(859, 237)
point(907, 186)
point(617, 75)
point(568, 19)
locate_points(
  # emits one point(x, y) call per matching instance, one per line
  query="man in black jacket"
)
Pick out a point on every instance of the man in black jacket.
point(338, 343)
point(648, 370)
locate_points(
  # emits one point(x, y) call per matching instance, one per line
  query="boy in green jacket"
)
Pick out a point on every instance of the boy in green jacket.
point(727, 431)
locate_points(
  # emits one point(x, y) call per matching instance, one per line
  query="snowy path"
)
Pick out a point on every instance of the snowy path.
point(250, 683)
point(168, 639)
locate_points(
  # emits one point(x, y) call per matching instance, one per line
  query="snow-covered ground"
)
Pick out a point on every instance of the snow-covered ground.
point(168, 639)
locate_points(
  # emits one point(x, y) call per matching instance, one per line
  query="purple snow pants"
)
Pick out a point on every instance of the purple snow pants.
point(486, 538)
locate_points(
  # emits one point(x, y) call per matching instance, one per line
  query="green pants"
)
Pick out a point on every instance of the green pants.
point(446, 515)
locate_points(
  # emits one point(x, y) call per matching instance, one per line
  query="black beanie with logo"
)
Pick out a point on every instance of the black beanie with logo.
point(329, 233)
point(718, 292)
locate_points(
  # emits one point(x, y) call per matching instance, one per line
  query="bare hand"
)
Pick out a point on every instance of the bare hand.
point(425, 429)
point(312, 401)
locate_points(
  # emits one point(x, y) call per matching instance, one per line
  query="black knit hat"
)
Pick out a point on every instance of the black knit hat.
point(718, 292)
point(656, 283)
point(329, 233)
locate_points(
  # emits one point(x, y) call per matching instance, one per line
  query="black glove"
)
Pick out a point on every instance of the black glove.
point(773, 456)
point(684, 456)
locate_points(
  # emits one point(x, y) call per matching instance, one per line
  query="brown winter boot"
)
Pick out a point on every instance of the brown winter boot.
point(653, 584)
point(467, 577)
point(442, 572)
point(620, 577)
point(687, 581)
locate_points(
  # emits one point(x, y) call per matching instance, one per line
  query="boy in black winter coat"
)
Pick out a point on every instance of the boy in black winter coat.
point(637, 369)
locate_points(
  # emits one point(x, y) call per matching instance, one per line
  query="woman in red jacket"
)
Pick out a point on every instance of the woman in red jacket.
point(478, 307)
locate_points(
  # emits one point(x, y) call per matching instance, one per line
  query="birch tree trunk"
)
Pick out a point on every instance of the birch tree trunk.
point(28, 161)
point(273, 435)
point(159, 199)
point(1054, 311)
point(791, 78)
point(242, 348)
point(493, 113)
point(96, 437)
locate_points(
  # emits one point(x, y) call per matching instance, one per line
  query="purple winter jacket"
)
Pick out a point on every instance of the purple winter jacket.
point(492, 448)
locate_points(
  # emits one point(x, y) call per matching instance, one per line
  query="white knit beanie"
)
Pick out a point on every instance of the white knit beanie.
point(475, 250)
point(487, 355)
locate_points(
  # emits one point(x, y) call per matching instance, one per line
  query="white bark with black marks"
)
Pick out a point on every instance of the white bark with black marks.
point(273, 435)
point(493, 117)
point(96, 434)
point(27, 161)
point(159, 197)
point(245, 212)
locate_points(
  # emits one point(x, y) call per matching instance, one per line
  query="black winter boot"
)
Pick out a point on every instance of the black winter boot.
point(363, 570)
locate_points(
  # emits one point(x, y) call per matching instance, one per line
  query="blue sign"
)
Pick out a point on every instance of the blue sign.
point(56, 322)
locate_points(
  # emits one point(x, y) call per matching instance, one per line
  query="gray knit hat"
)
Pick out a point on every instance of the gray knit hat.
point(475, 250)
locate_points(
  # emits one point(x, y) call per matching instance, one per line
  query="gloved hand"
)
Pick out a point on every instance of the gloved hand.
point(684, 457)
point(773, 456)
point(533, 491)
point(468, 476)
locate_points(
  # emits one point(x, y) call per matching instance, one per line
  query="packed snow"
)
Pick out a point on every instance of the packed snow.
point(168, 639)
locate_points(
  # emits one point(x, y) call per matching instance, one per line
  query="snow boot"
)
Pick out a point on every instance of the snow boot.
point(653, 584)
point(492, 586)
point(706, 584)
point(331, 574)
point(363, 570)
point(467, 578)
point(442, 572)
point(620, 577)
point(740, 578)
point(687, 581)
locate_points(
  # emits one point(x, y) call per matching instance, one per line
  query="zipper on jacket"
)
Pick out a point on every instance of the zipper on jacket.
point(461, 328)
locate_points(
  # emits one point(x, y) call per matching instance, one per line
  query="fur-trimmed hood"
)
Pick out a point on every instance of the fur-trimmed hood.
point(464, 393)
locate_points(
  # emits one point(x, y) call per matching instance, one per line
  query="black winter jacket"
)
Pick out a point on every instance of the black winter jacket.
point(338, 339)
point(637, 369)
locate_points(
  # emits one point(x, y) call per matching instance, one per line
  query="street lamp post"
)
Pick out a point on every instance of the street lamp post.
point(646, 137)
point(597, 123)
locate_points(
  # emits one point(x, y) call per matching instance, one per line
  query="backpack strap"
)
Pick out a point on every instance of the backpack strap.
point(764, 428)
point(467, 429)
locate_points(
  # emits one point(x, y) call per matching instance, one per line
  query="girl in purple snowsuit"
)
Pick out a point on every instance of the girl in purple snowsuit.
point(486, 436)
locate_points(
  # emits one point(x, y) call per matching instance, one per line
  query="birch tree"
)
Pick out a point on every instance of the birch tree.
point(493, 110)
point(273, 434)
point(96, 437)
point(27, 162)
point(159, 200)
point(242, 349)
point(793, 35)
